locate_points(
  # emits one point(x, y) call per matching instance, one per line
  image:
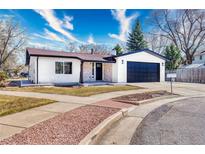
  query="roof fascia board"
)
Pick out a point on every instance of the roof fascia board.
point(144, 50)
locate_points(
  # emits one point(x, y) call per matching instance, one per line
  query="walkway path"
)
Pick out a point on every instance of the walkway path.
point(67, 128)
point(184, 89)
point(73, 99)
point(15, 123)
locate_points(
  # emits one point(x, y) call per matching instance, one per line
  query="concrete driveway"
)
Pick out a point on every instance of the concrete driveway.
point(181, 122)
point(184, 89)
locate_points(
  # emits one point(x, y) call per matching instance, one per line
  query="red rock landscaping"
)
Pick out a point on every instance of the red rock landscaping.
point(135, 98)
point(67, 128)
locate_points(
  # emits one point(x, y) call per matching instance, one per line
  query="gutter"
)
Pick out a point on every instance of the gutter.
point(100, 61)
point(37, 69)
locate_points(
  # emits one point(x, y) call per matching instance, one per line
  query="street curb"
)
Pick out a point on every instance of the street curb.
point(98, 131)
point(156, 99)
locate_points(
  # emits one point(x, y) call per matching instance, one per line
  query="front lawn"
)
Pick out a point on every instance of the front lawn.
point(13, 104)
point(77, 91)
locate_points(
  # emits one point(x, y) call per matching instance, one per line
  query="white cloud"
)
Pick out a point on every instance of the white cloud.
point(37, 44)
point(91, 40)
point(67, 22)
point(125, 24)
point(53, 36)
point(49, 36)
point(46, 45)
point(6, 16)
point(61, 26)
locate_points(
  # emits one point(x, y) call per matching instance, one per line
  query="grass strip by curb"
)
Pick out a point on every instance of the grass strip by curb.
point(13, 104)
point(77, 91)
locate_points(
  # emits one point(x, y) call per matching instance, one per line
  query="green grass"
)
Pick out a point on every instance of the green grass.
point(13, 104)
point(77, 91)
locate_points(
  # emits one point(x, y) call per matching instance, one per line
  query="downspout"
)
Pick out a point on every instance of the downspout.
point(37, 70)
point(81, 72)
point(28, 71)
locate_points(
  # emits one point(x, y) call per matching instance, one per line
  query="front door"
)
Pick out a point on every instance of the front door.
point(98, 71)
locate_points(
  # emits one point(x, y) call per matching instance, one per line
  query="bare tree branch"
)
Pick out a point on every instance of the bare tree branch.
point(12, 39)
point(185, 28)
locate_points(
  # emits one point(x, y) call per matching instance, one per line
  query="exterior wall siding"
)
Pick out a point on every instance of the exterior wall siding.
point(87, 72)
point(32, 69)
point(112, 72)
point(197, 59)
point(47, 71)
point(107, 71)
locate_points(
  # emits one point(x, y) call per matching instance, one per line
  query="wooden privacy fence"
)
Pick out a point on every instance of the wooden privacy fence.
point(194, 75)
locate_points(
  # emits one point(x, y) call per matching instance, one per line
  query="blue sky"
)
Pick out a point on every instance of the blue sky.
point(54, 28)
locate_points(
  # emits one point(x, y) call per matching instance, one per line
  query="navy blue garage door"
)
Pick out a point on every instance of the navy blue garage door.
point(143, 72)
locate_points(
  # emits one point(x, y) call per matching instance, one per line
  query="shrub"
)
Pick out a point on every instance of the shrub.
point(3, 77)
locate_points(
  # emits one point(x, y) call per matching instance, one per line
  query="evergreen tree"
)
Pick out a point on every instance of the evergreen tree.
point(136, 39)
point(118, 49)
point(173, 54)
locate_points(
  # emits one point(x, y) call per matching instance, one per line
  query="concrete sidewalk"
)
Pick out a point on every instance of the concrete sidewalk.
point(56, 97)
point(15, 123)
point(73, 99)
point(184, 89)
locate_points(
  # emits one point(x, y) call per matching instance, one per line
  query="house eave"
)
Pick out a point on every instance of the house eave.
point(143, 50)
point(57, 56)
point(99, 61)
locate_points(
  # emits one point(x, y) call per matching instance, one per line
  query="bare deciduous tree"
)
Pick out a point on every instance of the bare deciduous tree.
point(97, 48)
point(71, 47)
point(156, 42)
point(12, 39)
point(185, 28)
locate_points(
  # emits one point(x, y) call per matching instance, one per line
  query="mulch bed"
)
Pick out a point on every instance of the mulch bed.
point(135, 98)
point(67, 128)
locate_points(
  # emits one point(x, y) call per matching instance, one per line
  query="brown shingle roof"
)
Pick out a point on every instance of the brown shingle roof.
point(81, 56)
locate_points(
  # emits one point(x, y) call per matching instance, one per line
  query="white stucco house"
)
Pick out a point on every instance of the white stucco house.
point(199, 58)
point(58, 67)
point(198, 61)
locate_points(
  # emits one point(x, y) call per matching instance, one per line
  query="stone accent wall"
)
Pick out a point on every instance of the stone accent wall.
point(87, 72)
point(107, 68)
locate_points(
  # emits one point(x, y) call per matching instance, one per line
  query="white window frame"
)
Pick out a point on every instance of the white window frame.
point(63, 72)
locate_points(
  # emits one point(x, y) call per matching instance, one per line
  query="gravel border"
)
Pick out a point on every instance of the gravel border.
point(135, 98)
point(67, 128)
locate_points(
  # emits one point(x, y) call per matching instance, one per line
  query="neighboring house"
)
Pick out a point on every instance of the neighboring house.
point(198, 61)
point(199, 58)
point(57, 67)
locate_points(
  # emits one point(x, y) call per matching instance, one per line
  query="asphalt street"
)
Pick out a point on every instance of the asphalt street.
point(180, 122)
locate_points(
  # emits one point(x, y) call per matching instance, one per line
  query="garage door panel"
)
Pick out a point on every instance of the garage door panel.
point(143, 72)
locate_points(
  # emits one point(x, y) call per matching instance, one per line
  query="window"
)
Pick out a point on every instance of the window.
point(93, 69)
point(67, 68)
point(63, 67)
point(200, 57)
point(59, 67)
